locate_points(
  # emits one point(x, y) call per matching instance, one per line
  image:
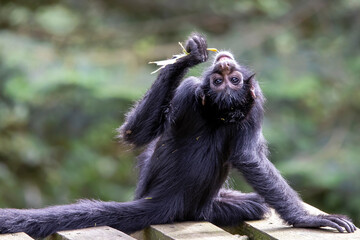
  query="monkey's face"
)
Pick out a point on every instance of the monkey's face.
point(225, 74)
point(227, 85)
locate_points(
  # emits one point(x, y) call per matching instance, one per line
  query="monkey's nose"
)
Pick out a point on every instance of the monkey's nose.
point(225, 66)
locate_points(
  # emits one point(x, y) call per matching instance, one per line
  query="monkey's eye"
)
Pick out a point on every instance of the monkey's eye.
point(218, 81)
point(235, 80)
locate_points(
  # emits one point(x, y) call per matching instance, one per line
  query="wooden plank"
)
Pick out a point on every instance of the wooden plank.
point(186, 231)
point(95, 233)
point(273, 228)
point(15, 236)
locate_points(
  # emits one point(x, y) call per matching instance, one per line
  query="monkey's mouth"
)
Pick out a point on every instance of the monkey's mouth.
point(223, 56)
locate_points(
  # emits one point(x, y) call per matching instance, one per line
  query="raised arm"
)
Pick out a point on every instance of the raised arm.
point(251, 160)
point(146, 120)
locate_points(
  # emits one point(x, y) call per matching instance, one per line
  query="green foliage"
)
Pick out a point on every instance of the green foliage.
point(70, 70)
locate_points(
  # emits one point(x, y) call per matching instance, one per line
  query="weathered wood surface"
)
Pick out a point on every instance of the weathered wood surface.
point(95, 233)
point(273, 228)
point(186, 231)
point(15, 236)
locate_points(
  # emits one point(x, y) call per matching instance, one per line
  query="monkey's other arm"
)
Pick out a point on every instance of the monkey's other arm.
point(251, 160)
point(146, 120)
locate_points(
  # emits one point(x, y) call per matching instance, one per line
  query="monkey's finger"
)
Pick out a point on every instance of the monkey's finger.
point(320, 223)
point(342, 223)
point(353, 227)
point(351, 223)
point(198, 42)
point(201, 46)
point(328, 223)
point(190, 45)
point(343, 219)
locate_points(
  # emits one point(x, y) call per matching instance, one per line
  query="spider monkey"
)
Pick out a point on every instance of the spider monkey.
point(194, 131)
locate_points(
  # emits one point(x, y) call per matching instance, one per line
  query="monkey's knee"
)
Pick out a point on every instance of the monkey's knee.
point(237, 196)
point(233, 207)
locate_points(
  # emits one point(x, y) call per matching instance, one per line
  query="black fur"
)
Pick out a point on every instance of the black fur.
point(194, 135)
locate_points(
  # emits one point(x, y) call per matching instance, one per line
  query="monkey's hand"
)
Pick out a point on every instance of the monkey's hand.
point(197, 47)
point(335, 221)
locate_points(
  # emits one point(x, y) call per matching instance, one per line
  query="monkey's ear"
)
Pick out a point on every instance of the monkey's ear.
point(252, 91)
point(250, 79)
point(203, 99)
point(200, 95)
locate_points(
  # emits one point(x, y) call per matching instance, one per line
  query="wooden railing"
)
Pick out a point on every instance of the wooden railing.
point(268, 229)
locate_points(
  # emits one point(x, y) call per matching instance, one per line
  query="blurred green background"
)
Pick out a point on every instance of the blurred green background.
point(70, 70)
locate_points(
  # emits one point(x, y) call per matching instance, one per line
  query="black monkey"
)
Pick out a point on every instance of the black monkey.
point(194, 132)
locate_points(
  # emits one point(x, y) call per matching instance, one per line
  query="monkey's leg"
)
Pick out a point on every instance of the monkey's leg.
point(232, 207)
point(127, 217)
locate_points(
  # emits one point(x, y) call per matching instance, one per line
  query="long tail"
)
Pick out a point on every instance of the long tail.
point(127, 217)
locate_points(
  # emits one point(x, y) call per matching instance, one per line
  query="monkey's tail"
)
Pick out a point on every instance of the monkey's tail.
point(127, 217)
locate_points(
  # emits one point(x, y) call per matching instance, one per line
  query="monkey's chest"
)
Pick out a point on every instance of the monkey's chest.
point(192, 162)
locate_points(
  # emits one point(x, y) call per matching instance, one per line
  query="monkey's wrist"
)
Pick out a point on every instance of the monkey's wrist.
point(191, 61)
